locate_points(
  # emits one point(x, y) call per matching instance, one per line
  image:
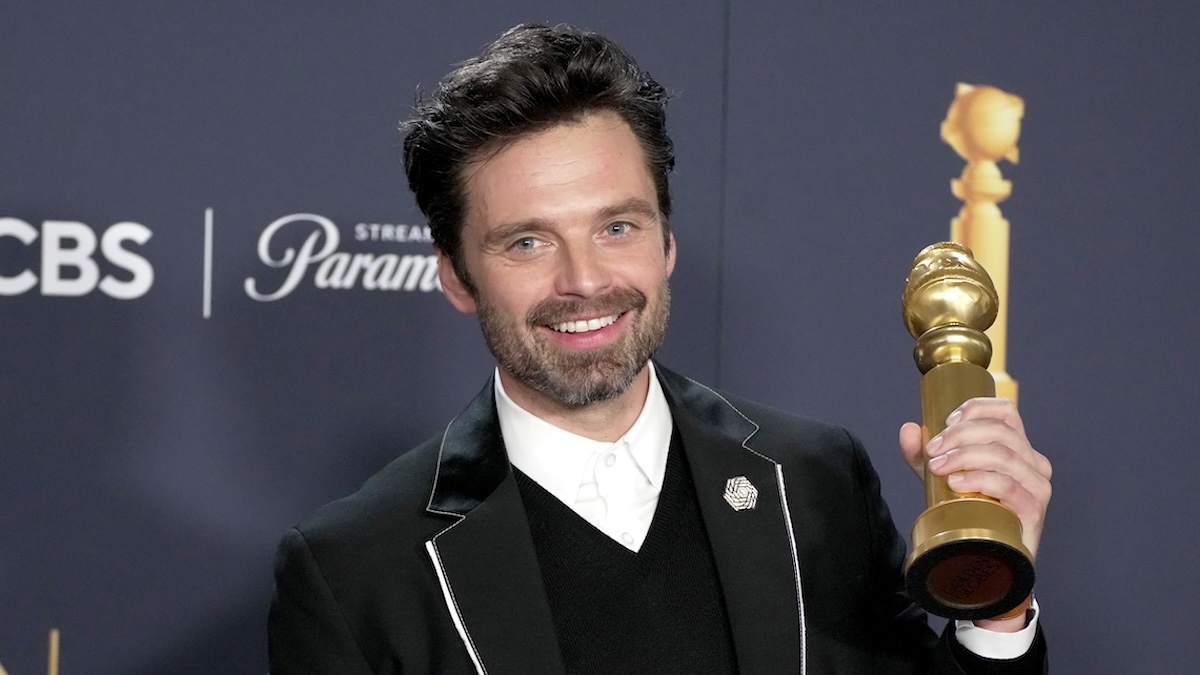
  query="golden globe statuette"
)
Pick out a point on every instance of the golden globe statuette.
point(983, 125)
point(968, 561)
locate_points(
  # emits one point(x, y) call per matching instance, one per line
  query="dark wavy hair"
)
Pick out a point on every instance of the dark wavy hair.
point(532, 78)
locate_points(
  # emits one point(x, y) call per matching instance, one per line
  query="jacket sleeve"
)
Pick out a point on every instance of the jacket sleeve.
point(306, 632)
point(902, 633)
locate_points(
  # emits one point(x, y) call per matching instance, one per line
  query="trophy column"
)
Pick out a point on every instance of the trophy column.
point(968, 561)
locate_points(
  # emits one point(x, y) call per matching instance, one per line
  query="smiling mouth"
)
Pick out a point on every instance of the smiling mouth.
point(584, 326)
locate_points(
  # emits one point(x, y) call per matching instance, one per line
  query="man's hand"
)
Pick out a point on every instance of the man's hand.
point(984, 449)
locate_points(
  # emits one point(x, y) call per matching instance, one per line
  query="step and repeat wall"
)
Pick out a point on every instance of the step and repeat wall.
point(192, 359)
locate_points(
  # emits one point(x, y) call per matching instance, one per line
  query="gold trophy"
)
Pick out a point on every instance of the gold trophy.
point(982, 126)
point(968, 561)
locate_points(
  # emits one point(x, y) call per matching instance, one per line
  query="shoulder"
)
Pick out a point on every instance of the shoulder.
point(355, 573)
point(779, 435)
point(791, 430)
point(825, 457)
point(389, 507)
point(823, 465)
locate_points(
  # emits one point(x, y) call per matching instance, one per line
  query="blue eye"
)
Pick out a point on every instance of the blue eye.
point(620, 227)
point(525, 244)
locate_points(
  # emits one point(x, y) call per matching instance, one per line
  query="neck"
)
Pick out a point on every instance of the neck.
point(601, 421)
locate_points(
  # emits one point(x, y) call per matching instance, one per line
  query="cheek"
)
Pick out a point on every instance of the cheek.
point(512, 297)
point(522, 285)
point(648, 270)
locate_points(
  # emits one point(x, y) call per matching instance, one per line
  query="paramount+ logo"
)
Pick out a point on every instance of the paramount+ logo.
point(69, 257)
point(319, 251)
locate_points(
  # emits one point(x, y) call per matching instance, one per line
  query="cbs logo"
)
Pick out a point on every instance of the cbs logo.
point(68, 263)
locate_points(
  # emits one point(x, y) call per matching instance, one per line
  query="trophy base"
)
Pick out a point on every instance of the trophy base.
point(968, 561)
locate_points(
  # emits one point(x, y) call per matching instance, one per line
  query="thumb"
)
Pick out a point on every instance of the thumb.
point(911, 442)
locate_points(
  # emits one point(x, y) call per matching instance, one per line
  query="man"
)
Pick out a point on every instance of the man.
point(591, 511)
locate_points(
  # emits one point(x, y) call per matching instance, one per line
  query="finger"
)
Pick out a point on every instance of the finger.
point(911, 439)
point(988, 432)
point(992, 471)
point(1029, 506)
point(991, 459)
point(999, 409)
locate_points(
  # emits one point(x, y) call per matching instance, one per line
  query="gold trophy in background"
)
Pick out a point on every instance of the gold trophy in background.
point(968, 561)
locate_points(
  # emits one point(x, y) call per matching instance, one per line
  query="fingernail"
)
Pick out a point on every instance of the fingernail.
point(933, 445)
point(954, 418)
point(954, 479)
point(937, 461)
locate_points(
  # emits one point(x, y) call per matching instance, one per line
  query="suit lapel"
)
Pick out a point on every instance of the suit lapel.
point(486, 562)
point(488, 567)
point(753, 548)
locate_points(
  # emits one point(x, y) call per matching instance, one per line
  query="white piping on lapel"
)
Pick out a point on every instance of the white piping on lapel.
point(440, 571)
point(787, 519)
point(787, 512)
point(452, 605)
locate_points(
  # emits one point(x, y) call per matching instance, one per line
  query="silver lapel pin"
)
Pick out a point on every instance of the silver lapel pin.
point(741, 493)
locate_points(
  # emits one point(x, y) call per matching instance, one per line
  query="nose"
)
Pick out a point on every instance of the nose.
point(583, 272)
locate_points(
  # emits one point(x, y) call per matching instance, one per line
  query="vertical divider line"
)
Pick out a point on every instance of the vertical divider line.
point(723, 183)
point(208, 242)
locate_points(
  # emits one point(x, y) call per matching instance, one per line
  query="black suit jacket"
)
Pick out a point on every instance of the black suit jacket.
point(430, 567)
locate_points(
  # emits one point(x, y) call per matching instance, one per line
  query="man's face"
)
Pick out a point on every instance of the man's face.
point(564, 244)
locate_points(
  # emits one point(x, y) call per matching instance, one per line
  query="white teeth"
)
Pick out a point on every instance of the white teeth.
point(584, 326)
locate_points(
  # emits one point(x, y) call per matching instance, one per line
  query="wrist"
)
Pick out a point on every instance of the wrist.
point(1011, 621)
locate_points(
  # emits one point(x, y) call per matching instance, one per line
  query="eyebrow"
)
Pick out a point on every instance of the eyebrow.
point(631, 206)
point(499, 236)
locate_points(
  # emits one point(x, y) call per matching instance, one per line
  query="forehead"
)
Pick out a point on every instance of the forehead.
point(559, 173)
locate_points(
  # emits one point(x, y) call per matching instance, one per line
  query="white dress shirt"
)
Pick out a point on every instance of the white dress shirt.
point(615, 486)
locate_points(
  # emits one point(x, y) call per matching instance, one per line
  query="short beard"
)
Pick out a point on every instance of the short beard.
point(577, 379)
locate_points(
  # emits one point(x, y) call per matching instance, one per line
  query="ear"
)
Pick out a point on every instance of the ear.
point(453, 287)
point(670, 253)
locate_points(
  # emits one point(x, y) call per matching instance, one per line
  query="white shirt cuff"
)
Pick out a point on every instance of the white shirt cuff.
point(1000, 646)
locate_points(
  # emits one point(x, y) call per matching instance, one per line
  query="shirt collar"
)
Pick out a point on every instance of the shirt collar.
point(557, 458)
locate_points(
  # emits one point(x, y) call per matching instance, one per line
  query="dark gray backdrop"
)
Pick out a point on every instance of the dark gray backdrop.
point(150, 457)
